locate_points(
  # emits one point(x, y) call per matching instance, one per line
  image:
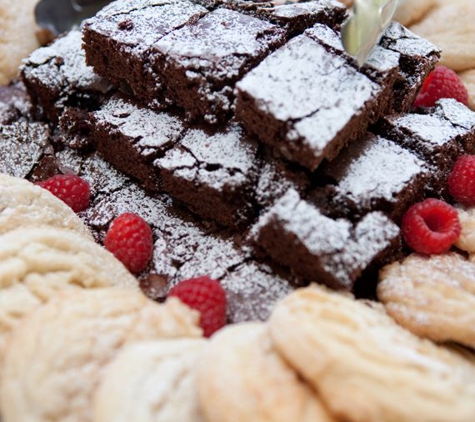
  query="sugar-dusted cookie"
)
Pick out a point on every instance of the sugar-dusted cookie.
point(36, 263)
point(17, 35)
point(411, 11)
point(468, 78)
point(241, 377)
point(367, 368)
point(433, 297)
point(450, 27)
point(150, 382)
point(23, 204)
point(56, 356)
point(466, 241)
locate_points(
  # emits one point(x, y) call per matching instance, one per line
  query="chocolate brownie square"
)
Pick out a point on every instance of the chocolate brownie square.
point(131, 137)
point(308, 102)
point(373, 174)
point(213, 171)
point(56, 77)
point(295, 234)
point(200, 63)
point(418, 58)
point(439, 137)
point(118, 40)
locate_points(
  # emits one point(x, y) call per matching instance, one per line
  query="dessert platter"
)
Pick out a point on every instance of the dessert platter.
point(209, 211)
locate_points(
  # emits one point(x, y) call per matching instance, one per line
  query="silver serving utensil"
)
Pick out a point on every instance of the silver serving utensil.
point(59, 16)
point(365, 27)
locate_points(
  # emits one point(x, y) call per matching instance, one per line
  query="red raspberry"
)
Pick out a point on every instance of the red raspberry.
point(431, 226)
point(208, 297)
point(130, 239)
point(71, 189)
point(462, 180)
point(442, 82)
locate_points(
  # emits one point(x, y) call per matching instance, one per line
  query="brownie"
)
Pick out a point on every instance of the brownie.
point(373, 174)
point(308, 102)
point(438, 136)
point(200, 63)
point(293, 17)
point(118, 42)
point(132, 137)
point(296, 234)
point(418, 58)
point(56, 76)
point(213, 172)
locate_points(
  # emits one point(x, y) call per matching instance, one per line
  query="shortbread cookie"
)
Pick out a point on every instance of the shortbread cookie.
point(17, 35)
point(24, 204)
point(468, 79)
point(411, 11)
point(367, 368)
point(450, 27)
point(466, 241)
point(36, 263)
point(151, 382)
point(241, 377)
point(57, 354)
point(433, 297)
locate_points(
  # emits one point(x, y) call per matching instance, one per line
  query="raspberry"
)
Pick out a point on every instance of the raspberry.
point(130, 239)
point(431, 226)
point(71, 189)
point(206, 296)
point(442, 82)
point(462, 180)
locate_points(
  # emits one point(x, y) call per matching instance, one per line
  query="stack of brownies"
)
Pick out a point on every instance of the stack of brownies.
point(244, 134)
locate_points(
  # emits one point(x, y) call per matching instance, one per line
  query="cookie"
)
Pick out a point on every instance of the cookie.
point(433, 297)
point(466, 241)
point(17, 35)
point(24, 204)
point(151, 381)
point(411, 11)
point(56, 356)
point(36, 263)
point(367, 368)
point(241, 377)
point(468, 78)
point(455, 40)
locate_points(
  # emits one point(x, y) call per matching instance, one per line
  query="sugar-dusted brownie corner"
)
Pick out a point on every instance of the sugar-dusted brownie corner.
point(308, 102)
point(118, 40)
point(214, 172)
point(22, 144)
point(131, 137)
point(295, 234)
point(200, 63)
point(372, 174)
point(438, 136)
point(56, 76)
point(14, 103)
